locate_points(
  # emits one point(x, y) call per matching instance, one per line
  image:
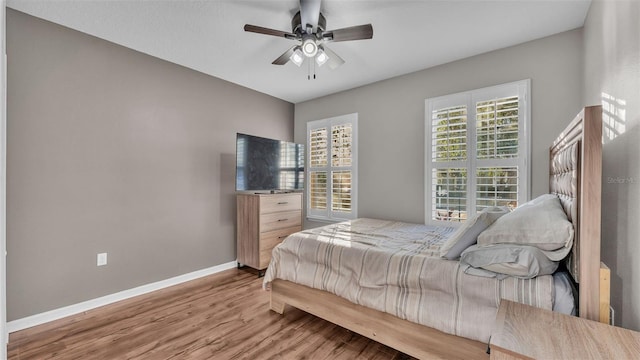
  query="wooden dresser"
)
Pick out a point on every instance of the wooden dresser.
point(264, 220)
point(525, 332)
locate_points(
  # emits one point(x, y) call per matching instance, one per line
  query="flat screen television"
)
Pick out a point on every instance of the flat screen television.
point(268, 165)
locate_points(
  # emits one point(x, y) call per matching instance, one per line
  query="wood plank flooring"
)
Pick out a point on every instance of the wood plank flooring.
point(222, 316)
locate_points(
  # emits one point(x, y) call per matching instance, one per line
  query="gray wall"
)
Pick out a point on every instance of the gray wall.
point(111, 150)
point(612, 77)
point(391, 117)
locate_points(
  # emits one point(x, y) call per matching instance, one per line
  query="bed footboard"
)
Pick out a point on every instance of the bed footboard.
point(413, 339)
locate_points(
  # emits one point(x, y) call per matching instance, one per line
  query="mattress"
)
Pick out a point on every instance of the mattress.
point(395, 267)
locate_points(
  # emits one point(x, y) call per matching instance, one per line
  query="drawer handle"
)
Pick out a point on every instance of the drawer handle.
point(282, 237)
point(283, 203)
point(283, 219)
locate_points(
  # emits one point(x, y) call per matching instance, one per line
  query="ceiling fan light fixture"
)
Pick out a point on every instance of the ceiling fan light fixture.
point(297, 57)
point(321, 57)
point(308, 30)
point(309, 47)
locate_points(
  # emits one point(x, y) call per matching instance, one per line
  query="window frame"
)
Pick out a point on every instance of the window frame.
point(328, 214)
point(521, 88)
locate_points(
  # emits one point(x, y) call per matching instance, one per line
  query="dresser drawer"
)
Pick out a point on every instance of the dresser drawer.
point(269, 240)
point(287, 202)
point(280, 220)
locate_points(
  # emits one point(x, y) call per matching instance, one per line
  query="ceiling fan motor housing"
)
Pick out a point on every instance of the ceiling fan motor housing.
point(296, 26)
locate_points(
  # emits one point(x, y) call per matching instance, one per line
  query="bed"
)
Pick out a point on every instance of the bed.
point(451, 313)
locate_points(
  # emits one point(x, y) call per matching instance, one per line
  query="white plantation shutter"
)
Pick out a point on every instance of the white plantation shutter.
point(318, 147)
point(477, 145)
point(341, 157)
point(317, 194)
point(318, 190)
point(450, 189)
point(496, 186)
point(449, 134)
point(341, 140)
point(449, 158)
point(341, 191)
point(497, 128)
point(331, 190)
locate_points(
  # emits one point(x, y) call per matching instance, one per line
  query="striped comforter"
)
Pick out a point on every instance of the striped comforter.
point(395, 267)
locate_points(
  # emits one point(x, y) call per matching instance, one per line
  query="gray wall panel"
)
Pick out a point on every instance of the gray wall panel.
point(111, 150)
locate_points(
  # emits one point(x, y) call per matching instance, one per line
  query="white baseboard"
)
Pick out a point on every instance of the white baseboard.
point(33, 320)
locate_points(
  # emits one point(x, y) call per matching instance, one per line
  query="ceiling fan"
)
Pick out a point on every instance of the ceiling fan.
point(308, 29)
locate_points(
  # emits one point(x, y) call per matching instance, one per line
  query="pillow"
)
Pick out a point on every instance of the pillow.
point(540, 222)
point(521, 261)
point(467, 234)
point(564, 298)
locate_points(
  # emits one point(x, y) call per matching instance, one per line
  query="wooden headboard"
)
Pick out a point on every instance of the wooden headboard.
point(575, 175)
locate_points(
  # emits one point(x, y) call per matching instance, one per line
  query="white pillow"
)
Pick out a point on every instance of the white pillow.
point(467, 234)
point(521, 261)
point(540, 222)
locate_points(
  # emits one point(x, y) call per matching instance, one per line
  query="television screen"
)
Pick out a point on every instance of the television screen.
point(265, 164)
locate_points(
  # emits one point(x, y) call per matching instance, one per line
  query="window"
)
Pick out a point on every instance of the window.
point(332, 170)
point(477, 146)
point(291, 161)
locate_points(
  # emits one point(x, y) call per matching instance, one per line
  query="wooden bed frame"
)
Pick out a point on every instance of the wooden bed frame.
point(424, 342)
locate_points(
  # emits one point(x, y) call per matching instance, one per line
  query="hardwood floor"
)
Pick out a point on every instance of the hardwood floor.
point(222, 316)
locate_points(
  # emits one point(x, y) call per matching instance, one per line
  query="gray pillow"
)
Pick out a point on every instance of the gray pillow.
point(467, 234)
point(520, 261)
point(564, 298)
point(540, 222)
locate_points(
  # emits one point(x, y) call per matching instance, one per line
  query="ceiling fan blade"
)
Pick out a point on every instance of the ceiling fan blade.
point(309, 13)
point(334, 60)
point(359, 32)
point(284, 58)
point(267, 31)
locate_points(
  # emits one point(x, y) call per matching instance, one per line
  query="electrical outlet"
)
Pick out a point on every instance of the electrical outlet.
point(102, 259)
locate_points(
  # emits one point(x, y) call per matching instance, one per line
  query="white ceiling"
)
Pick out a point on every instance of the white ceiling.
point(408, 36)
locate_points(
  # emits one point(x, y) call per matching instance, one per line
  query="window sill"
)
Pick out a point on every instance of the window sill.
point(325, 220)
